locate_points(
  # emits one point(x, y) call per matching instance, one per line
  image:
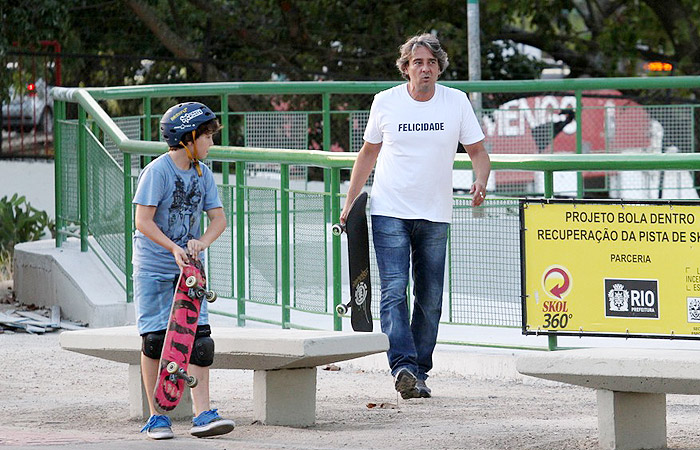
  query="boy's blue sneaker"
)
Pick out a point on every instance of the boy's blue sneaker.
point(210, 423)
point(158, 427)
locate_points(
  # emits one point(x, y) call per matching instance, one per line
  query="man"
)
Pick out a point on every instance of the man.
point(412, 135)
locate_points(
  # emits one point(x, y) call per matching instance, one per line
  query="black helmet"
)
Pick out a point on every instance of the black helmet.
point(183, 118)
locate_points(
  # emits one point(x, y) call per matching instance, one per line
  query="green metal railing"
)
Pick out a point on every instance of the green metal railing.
point(94, 128)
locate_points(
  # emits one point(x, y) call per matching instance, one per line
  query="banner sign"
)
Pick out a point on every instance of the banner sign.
point(629, 269)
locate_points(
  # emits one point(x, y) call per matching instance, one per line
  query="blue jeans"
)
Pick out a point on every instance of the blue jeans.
point(396, 243)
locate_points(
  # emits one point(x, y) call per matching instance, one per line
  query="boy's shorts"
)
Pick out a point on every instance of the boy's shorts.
point(153, 297)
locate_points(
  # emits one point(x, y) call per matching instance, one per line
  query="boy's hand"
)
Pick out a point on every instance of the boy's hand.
point(195, 247)
point(181, 257)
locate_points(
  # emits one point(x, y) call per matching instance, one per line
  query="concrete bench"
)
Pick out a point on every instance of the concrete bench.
point(284, 364)
point(631, 387)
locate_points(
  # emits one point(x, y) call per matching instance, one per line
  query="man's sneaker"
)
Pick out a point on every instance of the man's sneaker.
point(158, 427)
point(210, 423)
point(405, 384)
point(423, 390)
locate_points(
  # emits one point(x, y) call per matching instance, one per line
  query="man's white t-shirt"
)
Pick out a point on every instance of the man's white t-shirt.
point(413, 177)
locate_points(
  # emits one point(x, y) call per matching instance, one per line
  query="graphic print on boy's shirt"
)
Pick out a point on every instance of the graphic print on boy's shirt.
point(181, 214)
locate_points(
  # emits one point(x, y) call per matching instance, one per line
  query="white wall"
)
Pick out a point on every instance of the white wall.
point(33, 179)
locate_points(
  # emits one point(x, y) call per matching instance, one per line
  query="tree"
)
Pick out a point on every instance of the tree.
point(119, 42)
point(24, 27)
point(602, 37)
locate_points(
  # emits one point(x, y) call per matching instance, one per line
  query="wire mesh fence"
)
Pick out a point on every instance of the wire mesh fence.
point(105, 181)
point(276, 130)
point(483, 282)
point(221, 252)
point(69, 172)
point(263, 244)
point(310, 250)
point(484, 269)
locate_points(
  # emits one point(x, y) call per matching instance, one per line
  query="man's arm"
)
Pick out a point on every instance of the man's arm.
point(363, 166)
point(481, 163)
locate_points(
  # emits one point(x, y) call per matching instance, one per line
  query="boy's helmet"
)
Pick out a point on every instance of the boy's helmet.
point(183, 118)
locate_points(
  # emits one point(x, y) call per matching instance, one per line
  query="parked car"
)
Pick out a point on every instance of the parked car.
point(32, 108)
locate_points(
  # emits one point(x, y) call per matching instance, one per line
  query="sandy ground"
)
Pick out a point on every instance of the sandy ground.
point(54, 398)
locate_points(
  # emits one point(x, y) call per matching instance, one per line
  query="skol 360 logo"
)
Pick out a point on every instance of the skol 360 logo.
point(632, 298)
point(556, 282)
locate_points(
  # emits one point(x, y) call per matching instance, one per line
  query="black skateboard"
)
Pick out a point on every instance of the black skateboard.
point(358, 258)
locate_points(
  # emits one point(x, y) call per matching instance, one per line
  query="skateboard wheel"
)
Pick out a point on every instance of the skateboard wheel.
point(172, 367)
point(211, 296)
point(191, 281)
point(341, 309)
point(192, 382)
point(337, 229)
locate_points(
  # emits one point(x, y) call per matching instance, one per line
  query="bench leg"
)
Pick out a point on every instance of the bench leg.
point(285, 397)
point(631, 420)
point(138, 402)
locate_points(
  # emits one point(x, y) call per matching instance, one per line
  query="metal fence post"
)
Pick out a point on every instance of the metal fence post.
point(579, 141)
point(549, 193)
point(326, 106)
point(82, 178)
point(225, 174)
point(224, 134)
point(337, 279)
point(128, 229)
point(285, 242)
point(59, 116)
point(147, 118)
point(240, 241)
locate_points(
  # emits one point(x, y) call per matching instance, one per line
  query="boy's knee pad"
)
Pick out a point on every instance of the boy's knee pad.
point(203, 352)
point(203, 349)
point(153, 344)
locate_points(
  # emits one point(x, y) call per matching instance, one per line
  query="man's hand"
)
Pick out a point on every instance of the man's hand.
point(478, 192)
point(363, 166)
point(481, 163)
point(344, 213)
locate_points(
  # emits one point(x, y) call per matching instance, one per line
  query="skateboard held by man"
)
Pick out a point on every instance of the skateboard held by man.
point(179, 336)
point(358, 258)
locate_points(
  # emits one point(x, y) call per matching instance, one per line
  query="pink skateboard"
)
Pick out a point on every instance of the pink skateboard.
point(179, 337)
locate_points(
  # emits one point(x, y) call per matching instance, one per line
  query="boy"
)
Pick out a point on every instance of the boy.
point(172, 192)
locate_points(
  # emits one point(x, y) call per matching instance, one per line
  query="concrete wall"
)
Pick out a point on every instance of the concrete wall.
point(79, 282)
point(33, 179)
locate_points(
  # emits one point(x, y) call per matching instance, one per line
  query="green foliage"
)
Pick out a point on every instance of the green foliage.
point(258, 40)
point(22, 26)
point(21, 222)
point(5, 267)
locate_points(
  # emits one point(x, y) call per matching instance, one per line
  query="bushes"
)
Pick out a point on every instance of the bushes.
point(20, 222)
point(5, 268)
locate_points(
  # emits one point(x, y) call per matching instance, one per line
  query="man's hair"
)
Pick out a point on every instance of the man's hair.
point(212, 126)
point(426, 40)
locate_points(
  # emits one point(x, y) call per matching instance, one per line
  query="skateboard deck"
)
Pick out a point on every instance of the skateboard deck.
point(358, 262)
point(190, 291)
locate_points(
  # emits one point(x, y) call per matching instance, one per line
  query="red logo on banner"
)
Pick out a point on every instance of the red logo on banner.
point(556, 281)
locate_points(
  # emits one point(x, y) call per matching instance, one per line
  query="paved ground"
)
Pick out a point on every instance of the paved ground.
point(51, 398)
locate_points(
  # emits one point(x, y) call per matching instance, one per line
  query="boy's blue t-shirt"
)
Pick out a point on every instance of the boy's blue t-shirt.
point(180, 196)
